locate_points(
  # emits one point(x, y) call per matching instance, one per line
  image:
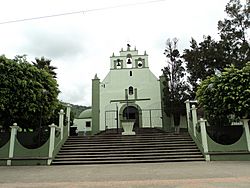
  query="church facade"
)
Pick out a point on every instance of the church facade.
point(130, 91)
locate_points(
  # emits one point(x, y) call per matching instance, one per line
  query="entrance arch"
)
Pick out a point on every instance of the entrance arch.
point(131, 111)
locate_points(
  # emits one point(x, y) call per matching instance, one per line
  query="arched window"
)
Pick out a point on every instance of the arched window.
point(140, 63)
point(118, 63)
point(130, 73)
point(130, 90)
point(129, 61)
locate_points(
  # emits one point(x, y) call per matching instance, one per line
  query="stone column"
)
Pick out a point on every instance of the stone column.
point(194, 118)
point(68, 117)
point(61, 119)
point(187, 102)
point(246, 128)
point(51, 142)
point(204, 138)
point(95, 105)
point(14, 129)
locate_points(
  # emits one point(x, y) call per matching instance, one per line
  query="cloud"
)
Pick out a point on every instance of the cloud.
point(80, 45)
point(53, 43)
point(78, 93)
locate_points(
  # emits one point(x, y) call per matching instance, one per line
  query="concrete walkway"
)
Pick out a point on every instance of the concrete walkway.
point(189, 174)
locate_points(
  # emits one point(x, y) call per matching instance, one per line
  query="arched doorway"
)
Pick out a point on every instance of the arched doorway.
point(132, 113)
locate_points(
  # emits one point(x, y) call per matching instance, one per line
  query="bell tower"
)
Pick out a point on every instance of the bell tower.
point(129, 59)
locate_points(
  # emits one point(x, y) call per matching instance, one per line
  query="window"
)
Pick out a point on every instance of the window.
point(130, 90)
point(140, 63)
point(118, 64)
point(129, 61)
point(88, 124)
point(130, 73)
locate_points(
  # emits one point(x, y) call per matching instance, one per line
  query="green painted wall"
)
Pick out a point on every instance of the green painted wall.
point(28, 162)
point(21, 151)
point(197, 141)
point(240, 145)
point(231, 157)
point(4, 151)
point(38, 156)
point(95, 105)
point(3, 162)
point(30, 156)
point(58, 142)
point(218, 152)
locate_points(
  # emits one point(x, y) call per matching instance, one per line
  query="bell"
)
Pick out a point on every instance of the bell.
point(139, 64)
point(129, 61)
point(118, 62)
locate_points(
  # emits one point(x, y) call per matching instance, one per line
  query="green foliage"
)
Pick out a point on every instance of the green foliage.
point(44, 64)
point(203, 60)
point(210, 56)
point(226, 94)
point(176, 89)
point(28, 95)
point(234, 33)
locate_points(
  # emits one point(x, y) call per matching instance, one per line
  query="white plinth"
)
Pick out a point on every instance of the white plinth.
point(127, 126)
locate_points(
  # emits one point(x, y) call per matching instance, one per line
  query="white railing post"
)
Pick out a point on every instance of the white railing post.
point(187, 102)
point(61, 119)
point(68, 117)
point(204, 138)
point(51, 142)
point(14, 128)
point(247, 132)
point(194, 118)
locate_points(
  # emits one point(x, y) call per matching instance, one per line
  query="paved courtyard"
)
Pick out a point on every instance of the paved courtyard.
point(189, 174)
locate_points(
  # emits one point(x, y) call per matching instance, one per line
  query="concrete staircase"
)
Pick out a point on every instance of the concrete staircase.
point(149, 145)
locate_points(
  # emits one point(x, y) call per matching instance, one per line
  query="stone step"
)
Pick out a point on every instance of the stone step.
point(72, 162)
point(79, 144)
point(138, 131)
point(142, 145)
point(132, 151)
point(127, 157)
point(127, 149)
point(125, 137)
point(125, 140)
point(115, 148)
point(121, 150)
point(127, 154)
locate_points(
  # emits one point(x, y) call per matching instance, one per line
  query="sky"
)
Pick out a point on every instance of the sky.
point(81, 44)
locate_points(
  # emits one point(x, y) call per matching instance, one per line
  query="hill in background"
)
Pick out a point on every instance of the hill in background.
point(76, 109)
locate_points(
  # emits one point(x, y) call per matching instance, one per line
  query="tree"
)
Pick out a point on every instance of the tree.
point(28, 95)
point(203, 59)
point(226, 94)
point(176, 89)
point(44, 64)
point(234, 33)
point(210, 56)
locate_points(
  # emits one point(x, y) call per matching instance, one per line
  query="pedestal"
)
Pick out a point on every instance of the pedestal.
point(127, 126)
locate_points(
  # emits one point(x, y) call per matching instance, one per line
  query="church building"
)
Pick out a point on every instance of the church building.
point(130, 91)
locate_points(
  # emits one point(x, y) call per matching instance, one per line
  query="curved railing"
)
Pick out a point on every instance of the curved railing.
point(239, 150)
point(19, 151)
